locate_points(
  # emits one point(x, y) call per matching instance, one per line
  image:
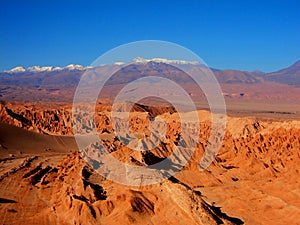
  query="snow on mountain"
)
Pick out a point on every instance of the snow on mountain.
point(138, 60)
point(42, 69)
point(16, 69)
point(75, 67)
point(119, 63)
point(36, 69)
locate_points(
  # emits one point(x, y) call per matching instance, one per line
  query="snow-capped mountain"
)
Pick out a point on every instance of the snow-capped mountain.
point(16, 69)
point(42, 69)
point(36, 69)
point(45, 79)
point(140, 60)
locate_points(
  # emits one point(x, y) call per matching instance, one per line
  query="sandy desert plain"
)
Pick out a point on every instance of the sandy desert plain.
point(254, 178)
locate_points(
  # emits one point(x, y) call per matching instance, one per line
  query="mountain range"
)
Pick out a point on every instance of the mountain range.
point(70, 74)
point(51, 83)
point(290, 75)
point(36, 69)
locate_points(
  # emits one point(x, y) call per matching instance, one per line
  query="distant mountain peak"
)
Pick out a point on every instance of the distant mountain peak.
point(75, 67)
point(289, 75)
point(297, 63)
point(16, 69)
point(36, 69)
point(140, 60)
point(43, 68)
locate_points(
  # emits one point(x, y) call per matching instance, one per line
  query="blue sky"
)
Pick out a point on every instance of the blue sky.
point(246, 35)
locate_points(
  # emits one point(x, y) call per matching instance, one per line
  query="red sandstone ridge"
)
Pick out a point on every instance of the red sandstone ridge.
point(253, 179)
point(59, 189)
point(58, 120)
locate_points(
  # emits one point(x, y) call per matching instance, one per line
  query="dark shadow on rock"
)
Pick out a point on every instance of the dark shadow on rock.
point(5, 200)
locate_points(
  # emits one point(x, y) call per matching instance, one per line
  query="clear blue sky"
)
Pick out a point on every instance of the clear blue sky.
point(247, 35)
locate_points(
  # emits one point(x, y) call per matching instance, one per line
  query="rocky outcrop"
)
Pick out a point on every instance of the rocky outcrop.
point(253, 179)
point(38, 119)
point(66, 191)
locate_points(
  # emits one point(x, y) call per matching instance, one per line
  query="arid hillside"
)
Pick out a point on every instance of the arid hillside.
point(253, 179)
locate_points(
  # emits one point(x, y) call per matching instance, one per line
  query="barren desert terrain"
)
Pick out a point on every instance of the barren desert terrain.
point(45, 180)
point(149, 112)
